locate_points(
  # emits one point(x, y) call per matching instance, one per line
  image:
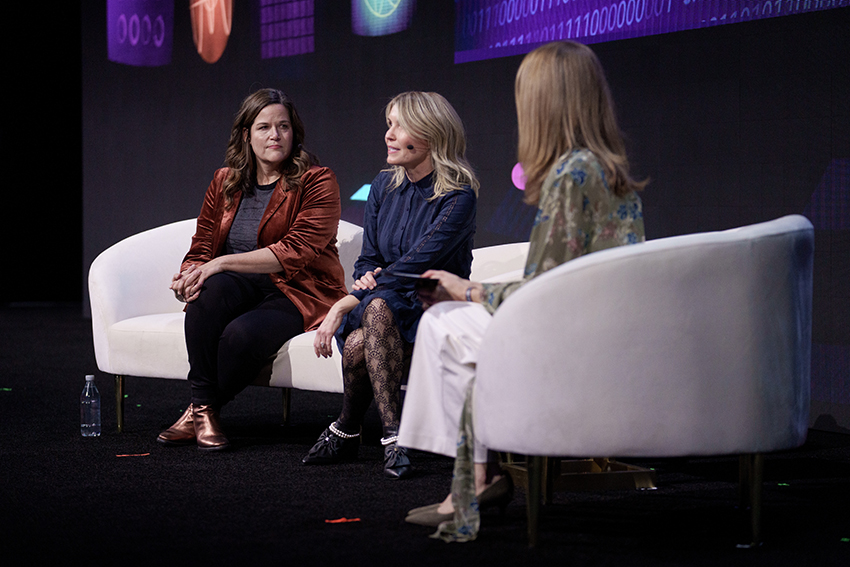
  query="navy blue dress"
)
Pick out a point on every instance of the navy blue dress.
point(405, 232)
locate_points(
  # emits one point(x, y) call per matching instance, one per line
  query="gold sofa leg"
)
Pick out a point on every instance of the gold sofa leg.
point(119, 401)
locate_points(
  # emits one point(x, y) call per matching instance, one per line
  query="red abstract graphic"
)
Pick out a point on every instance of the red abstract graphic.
point(211, 23)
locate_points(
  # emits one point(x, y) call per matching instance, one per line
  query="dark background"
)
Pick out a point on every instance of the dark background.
point(733, 125)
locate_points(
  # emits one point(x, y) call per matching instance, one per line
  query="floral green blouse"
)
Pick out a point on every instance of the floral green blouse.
point(577, 214)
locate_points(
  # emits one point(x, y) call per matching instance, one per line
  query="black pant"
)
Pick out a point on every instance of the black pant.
point(232, 329)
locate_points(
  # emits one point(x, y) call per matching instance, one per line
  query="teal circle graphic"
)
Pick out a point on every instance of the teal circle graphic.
point(382, 8)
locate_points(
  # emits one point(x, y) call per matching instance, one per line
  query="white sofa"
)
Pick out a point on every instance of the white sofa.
point(137, 324)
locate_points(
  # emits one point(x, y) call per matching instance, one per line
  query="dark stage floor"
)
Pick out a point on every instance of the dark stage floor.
point(122, 500)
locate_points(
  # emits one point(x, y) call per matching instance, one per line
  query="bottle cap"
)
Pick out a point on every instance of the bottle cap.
point(89, 377)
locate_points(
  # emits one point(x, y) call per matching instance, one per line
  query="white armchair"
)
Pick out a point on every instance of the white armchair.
point(681, 346)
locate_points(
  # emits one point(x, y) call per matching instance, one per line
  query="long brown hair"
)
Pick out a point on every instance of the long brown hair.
point(563, 103)
point(240, 158)
point(430, 117)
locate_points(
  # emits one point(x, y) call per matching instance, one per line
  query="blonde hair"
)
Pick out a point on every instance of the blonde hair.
point(430, 117)
point(564, 103)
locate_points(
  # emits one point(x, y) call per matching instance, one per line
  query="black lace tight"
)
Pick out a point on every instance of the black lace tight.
point(373, 366)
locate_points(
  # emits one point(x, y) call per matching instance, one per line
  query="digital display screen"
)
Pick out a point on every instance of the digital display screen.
point(486, 29)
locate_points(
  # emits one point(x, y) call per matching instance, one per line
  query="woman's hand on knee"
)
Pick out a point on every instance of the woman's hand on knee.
point(190, 281)
point(367, 280)
point(176, 286)
point(181, 284)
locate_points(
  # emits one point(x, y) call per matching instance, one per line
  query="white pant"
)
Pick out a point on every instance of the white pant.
point(442, 368)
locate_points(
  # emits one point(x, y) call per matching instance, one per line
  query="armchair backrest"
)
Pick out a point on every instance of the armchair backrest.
point(690, 345)
point(131, 277)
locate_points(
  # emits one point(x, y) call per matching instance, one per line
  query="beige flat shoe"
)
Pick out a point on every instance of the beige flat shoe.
point(430, 518)
point(421, 509)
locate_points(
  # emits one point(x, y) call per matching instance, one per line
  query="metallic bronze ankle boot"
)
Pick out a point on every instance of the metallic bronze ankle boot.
point(207, 429)
point(181, 433)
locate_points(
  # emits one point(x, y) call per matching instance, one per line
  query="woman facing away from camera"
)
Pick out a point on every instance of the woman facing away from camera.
point(420, 214)
point(263, 264)
point(577, 175)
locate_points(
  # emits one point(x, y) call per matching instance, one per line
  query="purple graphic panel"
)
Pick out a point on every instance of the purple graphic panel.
point(486, 29)
point(140, 32)
point(286, 28)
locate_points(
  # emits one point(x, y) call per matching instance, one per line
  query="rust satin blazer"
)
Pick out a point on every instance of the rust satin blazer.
point(299, 227)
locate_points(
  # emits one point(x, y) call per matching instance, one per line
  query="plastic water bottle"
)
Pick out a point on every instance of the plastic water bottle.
point(90, 409)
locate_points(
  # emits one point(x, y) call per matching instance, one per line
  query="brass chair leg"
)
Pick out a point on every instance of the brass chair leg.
point(535, 481)
point(287, 401)
point(119, 401)
point(751, 478)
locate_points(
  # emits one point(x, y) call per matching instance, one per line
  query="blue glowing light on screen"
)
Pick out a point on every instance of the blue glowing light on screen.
point(381, 17)
point(362, 194)
point(485, 29)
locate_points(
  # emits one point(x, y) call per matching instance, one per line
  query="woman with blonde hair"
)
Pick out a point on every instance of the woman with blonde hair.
point(263, 264)
point(420, 214)
point(577, 174)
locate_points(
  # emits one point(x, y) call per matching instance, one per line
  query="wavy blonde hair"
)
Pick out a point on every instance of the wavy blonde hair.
point(563, 103)
point(430, 117)
point(240, 158)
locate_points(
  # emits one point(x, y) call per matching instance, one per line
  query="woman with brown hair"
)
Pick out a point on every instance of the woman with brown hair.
point(577, 174)
point(263, 264)
point(420, 214)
